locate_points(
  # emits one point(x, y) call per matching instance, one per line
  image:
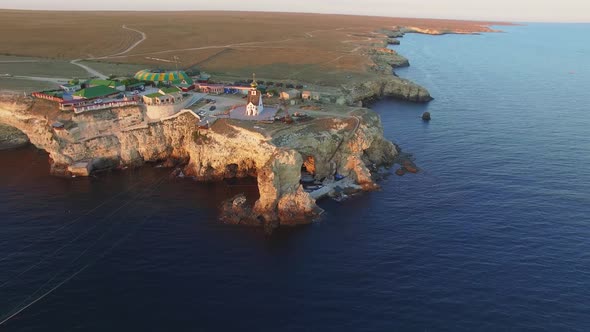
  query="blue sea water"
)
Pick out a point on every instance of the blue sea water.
point(492, 235)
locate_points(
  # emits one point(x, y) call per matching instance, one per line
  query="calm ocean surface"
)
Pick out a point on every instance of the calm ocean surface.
point(492, 235)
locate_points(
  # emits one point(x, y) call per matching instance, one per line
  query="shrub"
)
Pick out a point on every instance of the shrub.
point(199, 138)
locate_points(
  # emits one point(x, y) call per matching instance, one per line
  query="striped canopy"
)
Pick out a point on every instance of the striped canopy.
point(176, 76)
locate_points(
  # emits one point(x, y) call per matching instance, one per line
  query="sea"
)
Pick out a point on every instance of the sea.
point(493, 233)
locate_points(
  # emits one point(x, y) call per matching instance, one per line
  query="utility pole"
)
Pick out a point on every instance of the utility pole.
point(175, 58)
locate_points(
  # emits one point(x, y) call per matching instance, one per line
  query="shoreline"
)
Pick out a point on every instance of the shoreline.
point(268, 156)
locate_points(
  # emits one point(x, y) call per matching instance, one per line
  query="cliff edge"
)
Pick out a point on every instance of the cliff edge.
point(348, 143)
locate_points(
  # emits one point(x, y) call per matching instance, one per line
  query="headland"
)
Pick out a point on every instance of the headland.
point(301, 126)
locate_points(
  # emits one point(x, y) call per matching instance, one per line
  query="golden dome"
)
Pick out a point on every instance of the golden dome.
point(254, 85)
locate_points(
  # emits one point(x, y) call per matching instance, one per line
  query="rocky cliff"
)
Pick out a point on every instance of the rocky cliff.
point(387, 87)
point(11, 137)
point(350, 144)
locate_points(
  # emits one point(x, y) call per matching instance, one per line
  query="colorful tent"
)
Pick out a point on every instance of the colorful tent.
point(174, 77)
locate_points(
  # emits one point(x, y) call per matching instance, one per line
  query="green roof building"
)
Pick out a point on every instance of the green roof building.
point(154, 95)
point(109, 83)
point(170, 90)
point(99, 91)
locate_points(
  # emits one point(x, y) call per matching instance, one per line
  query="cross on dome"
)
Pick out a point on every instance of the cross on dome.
point(254, 85)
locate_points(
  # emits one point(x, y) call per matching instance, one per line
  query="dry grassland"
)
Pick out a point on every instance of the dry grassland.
point(316, 48)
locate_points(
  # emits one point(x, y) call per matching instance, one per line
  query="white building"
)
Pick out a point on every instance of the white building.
point(254, 104)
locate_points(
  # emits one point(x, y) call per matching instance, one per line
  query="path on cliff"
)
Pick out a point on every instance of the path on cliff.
point(352, 133)
point(340, 115)
point(130, 48)
point(94, 72)
point(57, 80)
point(236, 45)
point(18, 61)
point(206, 47)
point(90, 71)
point(345, 53)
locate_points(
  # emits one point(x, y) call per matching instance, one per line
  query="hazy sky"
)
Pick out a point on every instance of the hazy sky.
point(508, 10)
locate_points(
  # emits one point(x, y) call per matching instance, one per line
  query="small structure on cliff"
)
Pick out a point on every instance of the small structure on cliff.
point(310, 95)
point(70, 87)
point(290, 94)
point(163, 96)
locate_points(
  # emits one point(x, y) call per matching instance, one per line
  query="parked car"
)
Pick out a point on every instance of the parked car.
point(212, 108)
point(98, 101)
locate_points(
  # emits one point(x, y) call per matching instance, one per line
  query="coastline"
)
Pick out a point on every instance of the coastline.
point(275, 163)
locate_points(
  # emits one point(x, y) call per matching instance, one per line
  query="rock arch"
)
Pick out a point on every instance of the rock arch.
point(12, 137)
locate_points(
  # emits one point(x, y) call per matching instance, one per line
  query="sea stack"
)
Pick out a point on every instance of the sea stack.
point(426, 116)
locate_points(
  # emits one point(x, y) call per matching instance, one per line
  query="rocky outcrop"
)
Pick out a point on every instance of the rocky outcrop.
point(348, 144)
point(437, 32)
point(393, 41)
point(392, 87)
point(385, 60)
point(11, 138)
point(396, 33)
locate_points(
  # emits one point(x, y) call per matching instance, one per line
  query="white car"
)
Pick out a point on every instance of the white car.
point(98, 101)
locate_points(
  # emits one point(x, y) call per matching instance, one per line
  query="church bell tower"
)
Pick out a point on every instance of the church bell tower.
point(254, 104)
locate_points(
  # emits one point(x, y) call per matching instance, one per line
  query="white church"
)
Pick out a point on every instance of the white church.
point(254, 102)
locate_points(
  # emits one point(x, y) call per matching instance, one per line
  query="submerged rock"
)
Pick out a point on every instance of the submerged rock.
point(426, 116)
point(237, 211)
point(409, 166)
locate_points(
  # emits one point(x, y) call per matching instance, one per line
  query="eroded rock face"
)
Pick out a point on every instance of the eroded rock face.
point(393, 41)
point(11, 137)
point(385, 60)
point(393, 87)
point(348, 144)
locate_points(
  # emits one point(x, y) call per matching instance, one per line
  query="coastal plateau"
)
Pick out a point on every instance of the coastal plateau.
point(343, 143)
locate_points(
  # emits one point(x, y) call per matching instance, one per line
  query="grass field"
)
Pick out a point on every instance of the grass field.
point(117, 69)
point(19, 85)
point(43, 68)
point(310, 47)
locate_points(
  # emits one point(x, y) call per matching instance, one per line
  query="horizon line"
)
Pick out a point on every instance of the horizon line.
point(478, 20)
